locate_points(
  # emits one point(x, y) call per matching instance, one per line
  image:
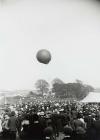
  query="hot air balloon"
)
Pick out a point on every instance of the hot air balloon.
point(43, 56)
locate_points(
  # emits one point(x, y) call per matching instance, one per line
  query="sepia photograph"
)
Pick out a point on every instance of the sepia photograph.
point(49, 69)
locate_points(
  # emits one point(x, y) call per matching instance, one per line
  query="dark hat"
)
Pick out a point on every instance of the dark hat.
point(68, 130)
point(35, 117)
point(80, 130)
point(48, 131)
point(13, 113)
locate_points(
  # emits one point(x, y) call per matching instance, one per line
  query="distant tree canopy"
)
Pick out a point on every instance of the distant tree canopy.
point(75, 90)
point(57, 81)
point(42, 86)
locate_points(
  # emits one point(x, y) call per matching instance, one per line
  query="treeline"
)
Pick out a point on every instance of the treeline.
point(76, 90)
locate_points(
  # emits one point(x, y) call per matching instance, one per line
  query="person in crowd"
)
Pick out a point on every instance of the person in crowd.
point(19, 123)
point(90, 130)
point(79, 128)
point(5, 127)
point(97, 127)
point(48, 133)
point(0, 125)
point(35, 128)
point(23, 128)
point(12, 126)
point(68, 132)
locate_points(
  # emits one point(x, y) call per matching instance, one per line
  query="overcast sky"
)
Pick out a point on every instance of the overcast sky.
point(69, 29)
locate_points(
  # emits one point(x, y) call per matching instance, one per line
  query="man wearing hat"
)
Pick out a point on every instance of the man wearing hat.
point(12, 126)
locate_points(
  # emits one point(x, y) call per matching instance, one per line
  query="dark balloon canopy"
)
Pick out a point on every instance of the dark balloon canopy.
point(43, 56)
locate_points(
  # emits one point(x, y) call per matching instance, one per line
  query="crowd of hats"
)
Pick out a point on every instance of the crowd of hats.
point(58, 116)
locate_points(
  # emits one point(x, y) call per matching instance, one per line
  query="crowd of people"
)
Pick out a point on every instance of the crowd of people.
point(48, 119)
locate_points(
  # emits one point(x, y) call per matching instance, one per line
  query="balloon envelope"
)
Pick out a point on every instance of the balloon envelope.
point(43, 56)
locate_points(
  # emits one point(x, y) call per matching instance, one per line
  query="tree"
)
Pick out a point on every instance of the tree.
point(79, 81)
point(64, 90)
point(76, 90)
point(89, 88)
point(57, 87)
point(57, 81)
point(80, 91)
point(42, 86)
point(71, 90)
